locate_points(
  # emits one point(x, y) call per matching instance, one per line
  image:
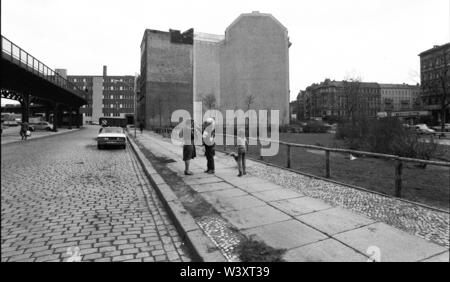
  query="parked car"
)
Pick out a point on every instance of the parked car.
point(111, 136)
point(42, 125)
point(11, 123)
point(423, 129)
point(439, 128)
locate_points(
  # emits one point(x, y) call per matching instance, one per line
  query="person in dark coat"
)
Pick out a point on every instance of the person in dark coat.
point(23, 130)
point(188, 134)
point(141, 126)
point(209, 143)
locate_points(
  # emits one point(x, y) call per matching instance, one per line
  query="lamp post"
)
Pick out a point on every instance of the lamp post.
point(134, 100)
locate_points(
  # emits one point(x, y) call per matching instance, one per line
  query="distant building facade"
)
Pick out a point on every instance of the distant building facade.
point(435, 81)
point(249, 63)
point(400, 97)
point(330, 98)
point(108, 96)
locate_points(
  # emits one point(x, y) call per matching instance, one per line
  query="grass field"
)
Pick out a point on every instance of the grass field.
point(429, 186)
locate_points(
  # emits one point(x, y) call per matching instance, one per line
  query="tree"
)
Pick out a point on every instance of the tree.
point(352, 98)
point(439, 84)
point(249, 101)
point(209, 101)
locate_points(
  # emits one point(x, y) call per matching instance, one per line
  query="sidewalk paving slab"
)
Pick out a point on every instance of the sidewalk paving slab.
point(301, 205)
point(328, 250)
point(277, 195)
point(228, 193)
point(335, 220)
point(227, 204)
point(444, 257)
point(395, 245)
point(254, 217)
point(286, 234)
point(209, 187)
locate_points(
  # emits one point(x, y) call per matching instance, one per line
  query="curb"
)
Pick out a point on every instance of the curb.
point(45, 136)
point(203, 249)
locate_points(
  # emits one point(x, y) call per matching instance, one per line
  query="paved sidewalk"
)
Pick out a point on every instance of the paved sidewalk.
point(310, 229)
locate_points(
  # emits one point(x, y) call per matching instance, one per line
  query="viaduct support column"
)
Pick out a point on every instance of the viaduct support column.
point(25, 107)
point(70, 117)
point(55, 117)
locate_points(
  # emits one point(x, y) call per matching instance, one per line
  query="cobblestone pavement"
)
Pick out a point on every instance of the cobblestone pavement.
point(62, 192)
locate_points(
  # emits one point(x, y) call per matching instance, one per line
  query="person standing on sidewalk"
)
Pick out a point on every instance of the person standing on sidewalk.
point(209, 134)
point(188, 134)
point(241, 148)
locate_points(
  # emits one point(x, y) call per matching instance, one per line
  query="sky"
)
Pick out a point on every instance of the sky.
point(376, 40)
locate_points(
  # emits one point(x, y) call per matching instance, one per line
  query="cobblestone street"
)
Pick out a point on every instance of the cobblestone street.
point(62, 192)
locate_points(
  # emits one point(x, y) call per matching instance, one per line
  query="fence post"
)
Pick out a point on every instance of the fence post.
point(224, 137)
point(260, 148)
point(327, 164)
point(288, 165)
point(398, 178)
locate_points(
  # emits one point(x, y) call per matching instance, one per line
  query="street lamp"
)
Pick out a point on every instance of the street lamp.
point(134, 91)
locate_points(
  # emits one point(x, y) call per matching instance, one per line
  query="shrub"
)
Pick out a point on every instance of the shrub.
point(386, 136)
point(315, 127)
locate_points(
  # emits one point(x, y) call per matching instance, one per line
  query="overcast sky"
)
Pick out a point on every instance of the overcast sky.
point(378, 40)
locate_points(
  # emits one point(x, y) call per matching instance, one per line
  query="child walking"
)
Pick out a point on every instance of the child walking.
point(241, 148)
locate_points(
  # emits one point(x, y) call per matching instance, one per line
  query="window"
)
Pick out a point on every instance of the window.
point(74, 80)
point(112, 105)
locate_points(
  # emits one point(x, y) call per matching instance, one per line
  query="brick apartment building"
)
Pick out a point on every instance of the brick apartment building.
point(435, 80)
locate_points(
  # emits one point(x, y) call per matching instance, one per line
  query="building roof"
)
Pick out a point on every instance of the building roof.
point(403, 85)
point(255, 14)
point(434, 49)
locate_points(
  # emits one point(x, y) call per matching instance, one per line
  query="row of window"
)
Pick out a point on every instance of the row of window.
point(104, 114)
point(118, 106)
point(112, 106)
point(115, 97)
point(108, 80)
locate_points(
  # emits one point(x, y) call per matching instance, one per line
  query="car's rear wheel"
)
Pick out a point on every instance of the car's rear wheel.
point(99, 146)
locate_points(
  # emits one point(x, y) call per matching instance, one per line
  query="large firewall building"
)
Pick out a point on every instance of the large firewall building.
point(247, 68)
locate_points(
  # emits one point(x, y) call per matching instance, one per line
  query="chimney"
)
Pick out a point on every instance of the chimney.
point(105, 71)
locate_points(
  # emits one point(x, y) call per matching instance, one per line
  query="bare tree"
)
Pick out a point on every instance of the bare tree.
point(249, 101)
point(352, 98)
point(209, 100)
point(439, 84)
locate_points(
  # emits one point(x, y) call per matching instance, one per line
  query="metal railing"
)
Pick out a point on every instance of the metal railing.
point(399, 161)
point(20, 57)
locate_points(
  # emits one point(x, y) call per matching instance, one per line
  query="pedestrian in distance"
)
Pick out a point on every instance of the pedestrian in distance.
point(141, 126)
point(209, 134)
point(24, 130)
